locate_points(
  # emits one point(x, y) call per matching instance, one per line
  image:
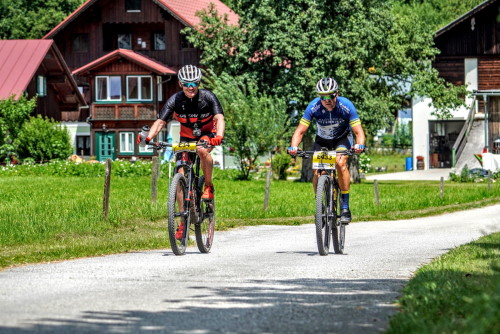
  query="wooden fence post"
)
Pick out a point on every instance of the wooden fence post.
point(107, 185)
point(441, 188)
point(268, 187)
point(155, 174)
point(375, 190)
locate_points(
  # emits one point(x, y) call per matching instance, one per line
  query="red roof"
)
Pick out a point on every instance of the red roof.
point(186, 10)
point(19, 61)
point(183, 10)
point(130, 55)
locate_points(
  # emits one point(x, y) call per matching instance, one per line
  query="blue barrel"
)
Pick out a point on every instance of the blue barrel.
point(409, 163)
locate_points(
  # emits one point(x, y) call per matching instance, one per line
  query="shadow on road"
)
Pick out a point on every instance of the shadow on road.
point(283, 306)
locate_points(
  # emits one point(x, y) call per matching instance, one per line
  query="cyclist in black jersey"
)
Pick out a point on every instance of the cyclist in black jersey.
point(201, 117)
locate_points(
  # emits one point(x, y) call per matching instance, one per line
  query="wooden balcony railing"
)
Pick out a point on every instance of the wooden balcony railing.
point(122, 112)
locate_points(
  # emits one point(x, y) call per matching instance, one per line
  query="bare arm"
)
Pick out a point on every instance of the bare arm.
point(220, 124)
point(156, 128)
point(359, 134)
point(298, 135)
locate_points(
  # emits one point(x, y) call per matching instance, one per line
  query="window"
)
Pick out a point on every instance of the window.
point(41, 85)
point(83, 145)
point(127, 142)
point(81, 43)
point(159, 41)
point(108, 88)
point(133, 5)
point(139, 88)
point(125, 41)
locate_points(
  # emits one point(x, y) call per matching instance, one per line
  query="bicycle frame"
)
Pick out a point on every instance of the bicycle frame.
point(185, 206)
point(327, 217)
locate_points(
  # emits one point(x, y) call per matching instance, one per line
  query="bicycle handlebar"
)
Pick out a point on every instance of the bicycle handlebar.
point(308, 154)
point(160, 145)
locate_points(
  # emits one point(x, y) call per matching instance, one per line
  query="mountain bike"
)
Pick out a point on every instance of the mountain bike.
point(327, 216)
point(185, 206)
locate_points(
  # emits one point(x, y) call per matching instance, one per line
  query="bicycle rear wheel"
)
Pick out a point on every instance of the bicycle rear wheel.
point(205, 227)
point(178, 217)
point(323, 214)
point(338, 229)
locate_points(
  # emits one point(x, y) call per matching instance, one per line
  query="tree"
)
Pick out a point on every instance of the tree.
point(379, 59)
point(255, 122)
point(21, 19)
point(13, 114)
point(43, 139)
point(433, 14)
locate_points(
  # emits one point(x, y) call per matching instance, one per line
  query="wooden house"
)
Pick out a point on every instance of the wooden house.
point(469, 54)
point(37, 68)
point(124, 55)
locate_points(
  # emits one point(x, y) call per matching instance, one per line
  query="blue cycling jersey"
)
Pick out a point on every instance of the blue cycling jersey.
point(333, 124)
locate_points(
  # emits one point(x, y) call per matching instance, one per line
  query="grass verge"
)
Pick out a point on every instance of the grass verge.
point(458, 292)
point(56, 218)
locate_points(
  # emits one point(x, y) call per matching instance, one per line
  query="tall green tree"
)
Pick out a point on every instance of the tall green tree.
point(433, 14)
point(255, 121)
point(379, 58)
point(32, 19)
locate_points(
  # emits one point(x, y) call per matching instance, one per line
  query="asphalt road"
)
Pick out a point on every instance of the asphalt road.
point(265, 279)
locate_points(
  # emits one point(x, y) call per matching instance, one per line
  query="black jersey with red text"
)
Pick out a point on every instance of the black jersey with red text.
point(196, 112)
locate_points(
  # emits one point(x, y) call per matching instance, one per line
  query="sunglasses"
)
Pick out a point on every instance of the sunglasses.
point(190, 84)
point(327, 97)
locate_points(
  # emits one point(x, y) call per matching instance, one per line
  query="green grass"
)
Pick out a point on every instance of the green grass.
point(458, 292)
point(55, 218)
point(392, 162)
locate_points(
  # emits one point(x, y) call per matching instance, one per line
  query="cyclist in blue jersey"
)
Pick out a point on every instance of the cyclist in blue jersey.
point(336, 119)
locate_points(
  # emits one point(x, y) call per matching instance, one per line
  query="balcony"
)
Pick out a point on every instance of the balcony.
point(123, 112)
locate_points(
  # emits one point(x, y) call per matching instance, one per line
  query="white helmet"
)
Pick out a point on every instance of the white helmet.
point(189, 73)
point(327, 86)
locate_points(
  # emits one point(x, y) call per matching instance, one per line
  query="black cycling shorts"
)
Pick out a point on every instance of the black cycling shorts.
point(338, 145)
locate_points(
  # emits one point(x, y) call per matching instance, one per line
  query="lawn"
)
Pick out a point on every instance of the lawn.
point(55, 218)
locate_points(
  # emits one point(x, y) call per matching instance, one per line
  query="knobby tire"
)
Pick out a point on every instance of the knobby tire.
point(205, 227)
point(176, 196)
point(322, 217)
point(338, 230)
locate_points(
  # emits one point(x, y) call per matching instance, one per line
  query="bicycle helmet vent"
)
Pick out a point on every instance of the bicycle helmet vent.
point(189, 73)
point(327, 86)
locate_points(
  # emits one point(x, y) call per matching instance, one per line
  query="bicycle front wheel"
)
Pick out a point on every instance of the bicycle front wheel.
point(178, 216)
point(338, 229)
point(205, 227)
point(322, 219)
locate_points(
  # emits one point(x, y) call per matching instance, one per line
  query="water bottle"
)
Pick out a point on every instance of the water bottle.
point(143, 135)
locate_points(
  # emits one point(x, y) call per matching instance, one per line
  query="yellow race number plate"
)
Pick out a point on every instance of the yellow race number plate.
point(324, 160)
point(184, 146)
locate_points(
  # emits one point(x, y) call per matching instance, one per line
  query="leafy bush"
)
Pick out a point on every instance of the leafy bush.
point(364, 163)
point(43, 139)
point(281, 162)
point(473, 175)
point(13, 114)
point(122, 168)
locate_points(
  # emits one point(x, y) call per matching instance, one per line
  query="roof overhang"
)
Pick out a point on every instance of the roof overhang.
point(134, 57)
point(464, 17)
